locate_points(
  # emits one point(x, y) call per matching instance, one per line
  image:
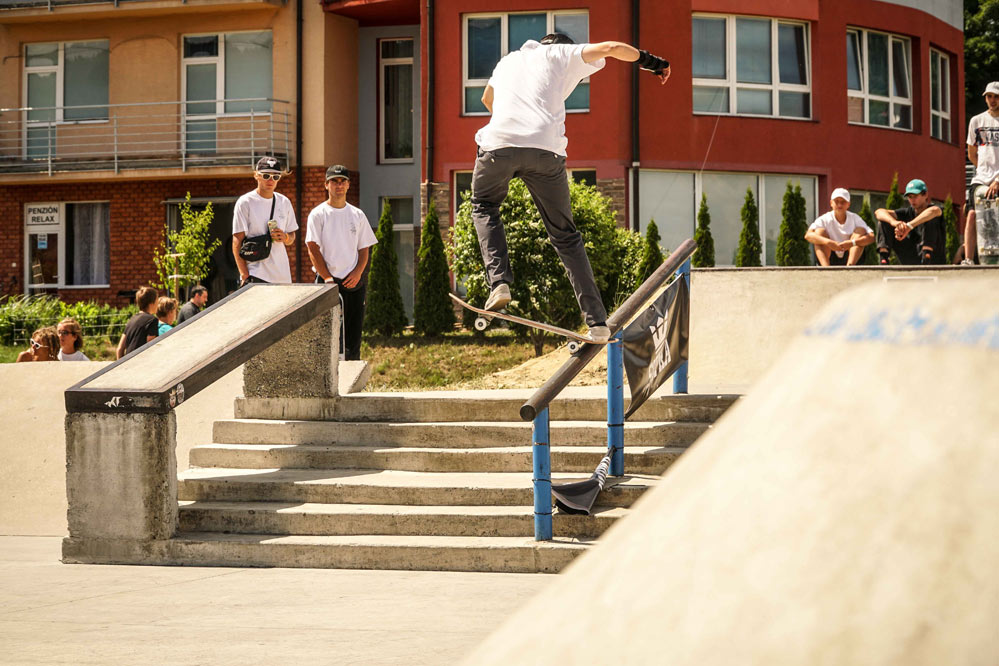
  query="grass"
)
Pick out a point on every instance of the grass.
point(412, 362)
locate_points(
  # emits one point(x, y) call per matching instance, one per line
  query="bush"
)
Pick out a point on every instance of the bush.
point(541, 289)
point(895, 200)
point(433, 313)
point(652, 254)
point(191, 241)
point(792, 248)
point(870, 257)
point(750, 247)
point(950, 229)
point(704, 255)
point(21, 316)
point(386, 313)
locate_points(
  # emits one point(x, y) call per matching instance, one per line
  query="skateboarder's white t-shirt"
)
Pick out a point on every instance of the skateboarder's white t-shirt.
point(983, 131)
point(530, 87)
point(840, 232)
point(250, 217)
point(339, 233)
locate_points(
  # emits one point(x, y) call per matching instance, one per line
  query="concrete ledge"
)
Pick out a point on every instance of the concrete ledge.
point(354, 376)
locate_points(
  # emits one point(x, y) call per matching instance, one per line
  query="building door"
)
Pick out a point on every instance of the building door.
point(222, 277)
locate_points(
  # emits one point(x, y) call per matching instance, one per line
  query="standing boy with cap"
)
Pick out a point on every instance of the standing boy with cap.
point(258, 212)
point(338, 236)
point(839, 236)
point(915, 232)
point(983, 151)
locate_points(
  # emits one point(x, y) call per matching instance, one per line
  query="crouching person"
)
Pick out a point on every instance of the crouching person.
point(839, 236)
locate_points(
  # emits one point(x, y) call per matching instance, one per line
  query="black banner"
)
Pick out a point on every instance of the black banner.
point(656, 343)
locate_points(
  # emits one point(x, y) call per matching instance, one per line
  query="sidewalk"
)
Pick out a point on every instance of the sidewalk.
point(54, 613)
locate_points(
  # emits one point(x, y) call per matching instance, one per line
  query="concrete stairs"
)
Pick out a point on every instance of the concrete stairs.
point(432, 481)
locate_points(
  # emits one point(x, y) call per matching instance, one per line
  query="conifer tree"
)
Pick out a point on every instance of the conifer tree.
point(792, 248)
point(652, 254)
point(386, 313)
point(870, 257)
point(895, 200)
point(748, 253)
point(950, 228)
point(433, 313)
point(704, 255)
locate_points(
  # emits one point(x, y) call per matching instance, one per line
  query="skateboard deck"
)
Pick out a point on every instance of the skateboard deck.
point(575, 339)
point(987, 227)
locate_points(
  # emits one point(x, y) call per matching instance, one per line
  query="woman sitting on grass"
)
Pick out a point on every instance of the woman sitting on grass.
point(70, 340)
point(43, 346)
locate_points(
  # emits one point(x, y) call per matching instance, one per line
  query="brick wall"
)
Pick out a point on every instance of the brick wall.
point(616, 189)
point(137, 218)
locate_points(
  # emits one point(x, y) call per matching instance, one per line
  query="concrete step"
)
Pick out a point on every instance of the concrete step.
point(503, 405)
point(341, 486)
point(288, 518)
point(640, 459)
point(444, 434)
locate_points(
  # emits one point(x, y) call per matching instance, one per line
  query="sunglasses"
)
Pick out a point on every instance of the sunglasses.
point(35, 344)
point(62, 333)
point(271, 176)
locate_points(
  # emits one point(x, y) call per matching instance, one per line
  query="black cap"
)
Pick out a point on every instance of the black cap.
point(269, 164)
point(337, 171)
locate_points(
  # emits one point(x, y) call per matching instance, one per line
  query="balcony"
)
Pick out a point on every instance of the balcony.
point(150, 135)
point(16, 11)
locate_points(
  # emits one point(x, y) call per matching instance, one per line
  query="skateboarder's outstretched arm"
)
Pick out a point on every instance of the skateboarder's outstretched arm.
point(627, 53)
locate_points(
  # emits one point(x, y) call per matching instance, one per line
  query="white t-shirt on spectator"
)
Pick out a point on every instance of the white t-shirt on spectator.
point(339, 233)
point(75, 356)
point(250, 216)
point(840, 232)
point(530, 87)
point(983, 131)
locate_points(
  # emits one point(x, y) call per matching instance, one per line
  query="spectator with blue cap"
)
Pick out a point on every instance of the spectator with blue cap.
point(915, 233)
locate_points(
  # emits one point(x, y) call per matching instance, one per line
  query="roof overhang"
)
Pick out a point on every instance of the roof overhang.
point(376, 12)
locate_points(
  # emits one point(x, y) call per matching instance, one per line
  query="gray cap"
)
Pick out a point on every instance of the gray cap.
point(337, 171)
point(269, 164)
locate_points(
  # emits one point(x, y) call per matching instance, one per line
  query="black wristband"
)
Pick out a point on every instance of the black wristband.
point(652, 63)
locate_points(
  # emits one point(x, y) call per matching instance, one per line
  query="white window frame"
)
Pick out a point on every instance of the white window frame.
point(550, 15)
point(776, 87)
point(59, 69)
point(60, 230)
point(892, 99)
point(942, 114)
point(382, 64)
point(219, 61)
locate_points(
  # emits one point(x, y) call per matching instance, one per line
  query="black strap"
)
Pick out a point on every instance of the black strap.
point(273, 203)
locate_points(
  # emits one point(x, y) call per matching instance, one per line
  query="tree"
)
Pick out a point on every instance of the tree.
point(950, 228)
point(433, 313)
point(386, 312)
point(895, 200)
point(541, 290)
point(792, 248)
point(750, 247)
point(652, 254)
point(870, 256)
point(981, 52)
point(704, 255)
point(191, 241)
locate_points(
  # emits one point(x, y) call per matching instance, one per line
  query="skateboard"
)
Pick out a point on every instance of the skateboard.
point(575, 340)
point(987, 227)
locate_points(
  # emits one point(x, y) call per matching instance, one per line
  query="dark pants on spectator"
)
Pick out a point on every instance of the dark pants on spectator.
point(544, 174)
point(354, 301)
point(909, 251)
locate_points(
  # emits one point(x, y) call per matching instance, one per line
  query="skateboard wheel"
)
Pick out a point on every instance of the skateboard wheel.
point(574, 346)
point(481, 323)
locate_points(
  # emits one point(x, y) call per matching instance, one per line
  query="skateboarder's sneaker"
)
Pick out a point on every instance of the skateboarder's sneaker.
point(498, 297)
point(599, 333)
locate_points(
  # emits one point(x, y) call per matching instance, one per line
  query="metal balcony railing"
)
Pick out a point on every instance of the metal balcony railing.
point(148, 135)
point(52, 4)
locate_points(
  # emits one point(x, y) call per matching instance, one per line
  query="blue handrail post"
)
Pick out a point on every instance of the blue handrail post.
point(542, 478)
point(615, 404)
point(680, 377)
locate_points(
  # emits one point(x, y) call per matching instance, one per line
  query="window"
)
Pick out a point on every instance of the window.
point(584, 176)
point(405, 233)
point(462, 186)
point(487, 38)
point(395, 114)
point(879, 79)
point(66, 244)
point(224, 74)
point(939, 95)
point(751, 66)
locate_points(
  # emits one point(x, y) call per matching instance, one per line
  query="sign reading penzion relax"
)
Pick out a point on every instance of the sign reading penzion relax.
point(36, 214)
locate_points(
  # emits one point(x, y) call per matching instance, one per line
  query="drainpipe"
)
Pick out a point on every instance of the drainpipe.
point(635, 222)
point(430, 101)
point(298, 135)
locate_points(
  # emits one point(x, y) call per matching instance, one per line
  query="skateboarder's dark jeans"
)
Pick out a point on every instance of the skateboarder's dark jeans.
point(544, 174)
point(354, 302)
point(929, 234)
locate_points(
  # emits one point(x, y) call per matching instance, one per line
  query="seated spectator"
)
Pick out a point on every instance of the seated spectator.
point(839, 236)
point(915, 233)
point(42, 347)
point(199, 299)
point(166, 313)
point(143, 326)
point(70, 340)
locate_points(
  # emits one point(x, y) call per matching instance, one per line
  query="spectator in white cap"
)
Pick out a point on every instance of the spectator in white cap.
point(839, 236)
point(260, 214)
point(983, 151)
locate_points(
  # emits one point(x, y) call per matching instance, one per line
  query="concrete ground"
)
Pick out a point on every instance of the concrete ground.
point(54, 613)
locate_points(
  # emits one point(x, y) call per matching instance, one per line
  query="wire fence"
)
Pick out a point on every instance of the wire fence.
point(22, 316)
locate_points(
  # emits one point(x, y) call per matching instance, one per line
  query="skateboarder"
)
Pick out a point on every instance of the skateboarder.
point(983, 151)
point(915, 232)
point(525, 138)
